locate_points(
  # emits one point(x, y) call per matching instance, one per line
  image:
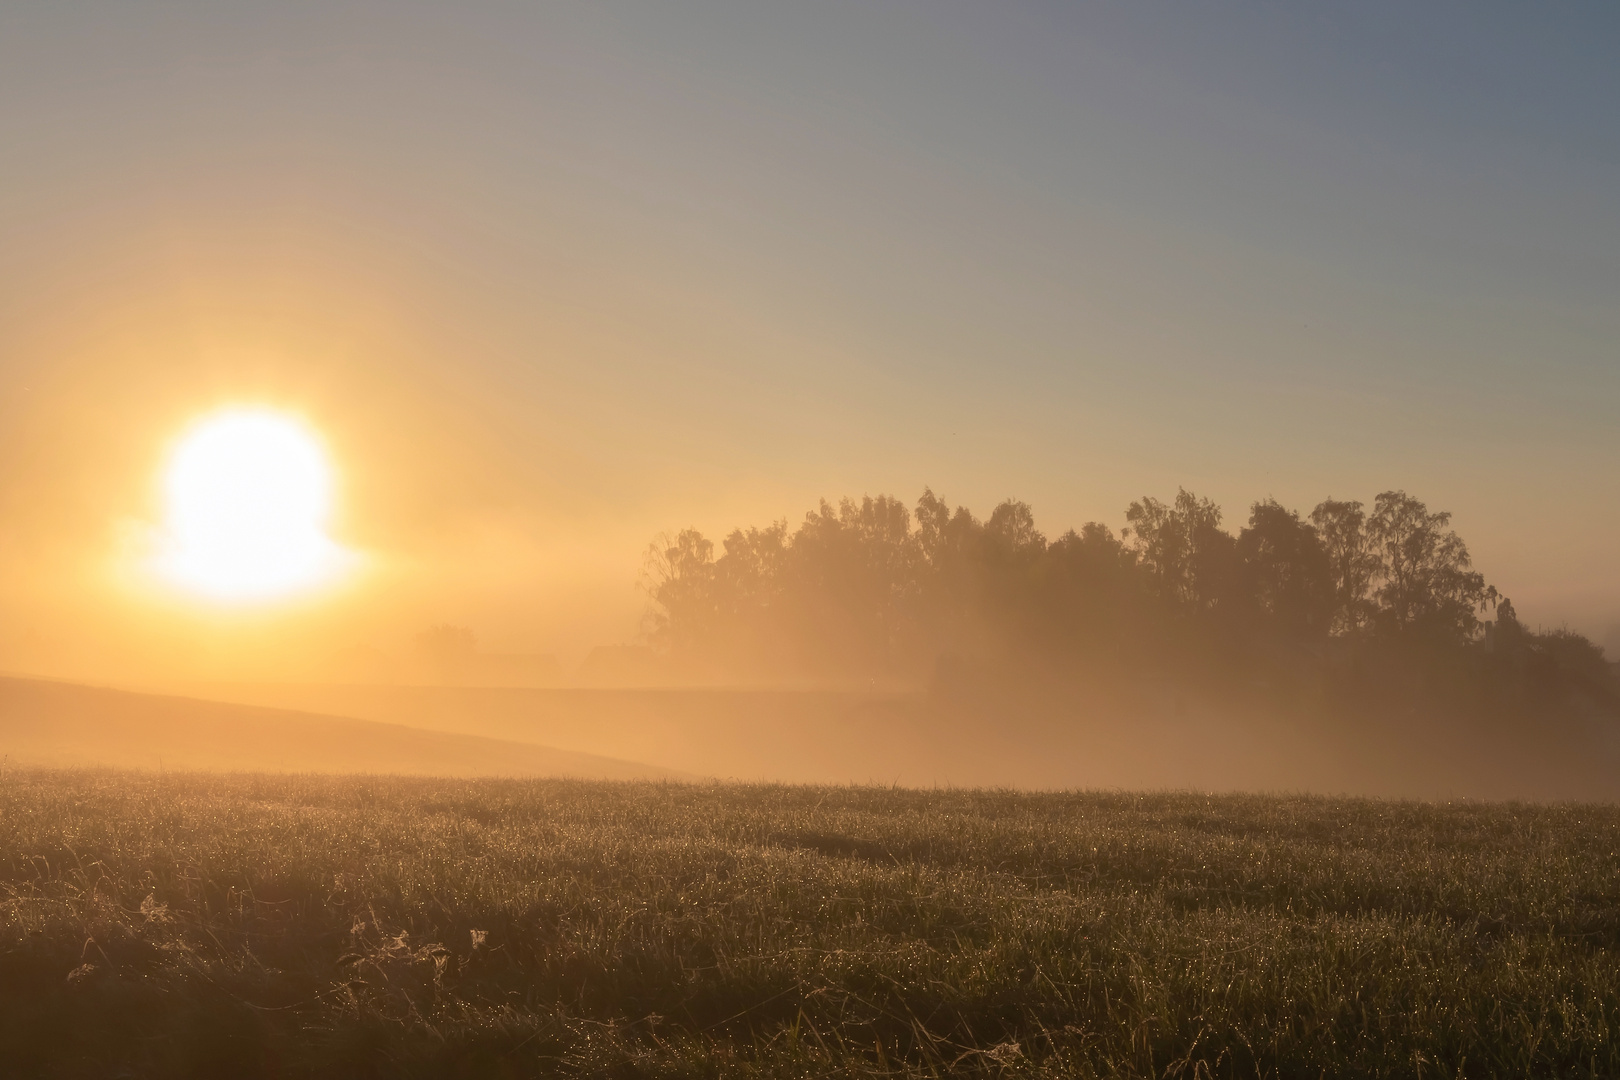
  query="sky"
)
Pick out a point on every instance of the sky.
point(552, 279)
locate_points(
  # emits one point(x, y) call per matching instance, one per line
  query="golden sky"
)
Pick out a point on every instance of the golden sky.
point(550, 280)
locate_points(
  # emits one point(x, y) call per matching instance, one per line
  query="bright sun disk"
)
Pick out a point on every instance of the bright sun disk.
point(247, 498)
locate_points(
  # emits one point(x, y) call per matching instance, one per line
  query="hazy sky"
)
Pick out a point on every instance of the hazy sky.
point(554, 278)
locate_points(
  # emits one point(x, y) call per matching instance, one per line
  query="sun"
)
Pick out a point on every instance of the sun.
point(248, 496)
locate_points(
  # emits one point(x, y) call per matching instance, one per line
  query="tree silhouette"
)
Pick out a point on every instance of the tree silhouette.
point(1423, 571)
point(1287, 573)
point(1352, 563)
point(1181, 546)
point(868, 589)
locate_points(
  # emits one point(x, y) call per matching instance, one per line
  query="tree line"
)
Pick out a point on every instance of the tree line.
point(1366, 597)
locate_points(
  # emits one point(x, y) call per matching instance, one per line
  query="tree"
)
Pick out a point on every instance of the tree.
point(1091, 590)
point(1424, 570)
point(678, 574)
point(868, 588)
point(1341, 527)
point(1286, 573)
point(944, 537)
point(1182, 547)
point(1011, 528)
point(851, 576)
point(749, 578)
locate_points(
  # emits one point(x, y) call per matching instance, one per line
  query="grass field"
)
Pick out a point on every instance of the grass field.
point(241, 926)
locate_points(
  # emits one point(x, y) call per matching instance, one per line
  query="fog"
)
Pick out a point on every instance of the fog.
point(1350, 649)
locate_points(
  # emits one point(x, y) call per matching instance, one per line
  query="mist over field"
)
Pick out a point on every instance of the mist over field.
point(1349, 650)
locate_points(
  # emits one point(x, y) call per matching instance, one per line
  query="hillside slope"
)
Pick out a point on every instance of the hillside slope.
point(51, 723)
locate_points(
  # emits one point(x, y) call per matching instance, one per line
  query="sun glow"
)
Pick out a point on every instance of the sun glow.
point(247, 498)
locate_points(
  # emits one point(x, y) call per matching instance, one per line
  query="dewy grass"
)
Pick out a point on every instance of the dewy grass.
point(360, 926)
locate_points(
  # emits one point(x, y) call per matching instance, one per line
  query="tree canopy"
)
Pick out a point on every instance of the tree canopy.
point(870, 589)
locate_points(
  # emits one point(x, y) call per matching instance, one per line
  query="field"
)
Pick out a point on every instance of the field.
point(255, 925)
